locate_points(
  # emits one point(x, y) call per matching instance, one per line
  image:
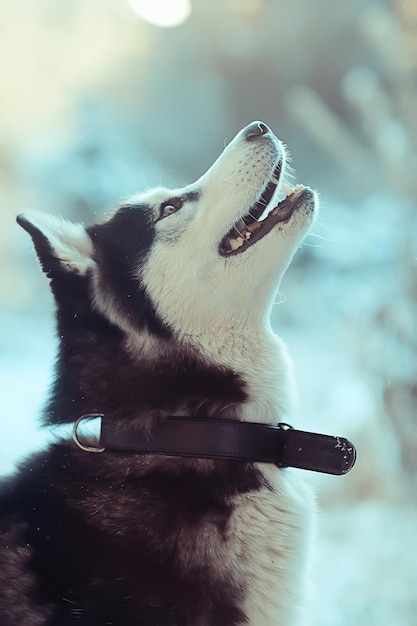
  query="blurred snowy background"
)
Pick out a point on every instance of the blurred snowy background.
point(102, 98)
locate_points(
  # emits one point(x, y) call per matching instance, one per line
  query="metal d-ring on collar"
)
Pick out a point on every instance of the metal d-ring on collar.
point(76, 436)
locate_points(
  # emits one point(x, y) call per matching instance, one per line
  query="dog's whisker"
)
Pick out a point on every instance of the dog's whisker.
point(312, 245)
point(238, 231)
point(317, 236)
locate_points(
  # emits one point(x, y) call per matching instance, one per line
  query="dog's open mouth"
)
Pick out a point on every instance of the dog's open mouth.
point(251, 228)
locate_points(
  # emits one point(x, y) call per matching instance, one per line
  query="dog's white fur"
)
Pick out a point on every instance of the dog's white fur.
point(219, 307)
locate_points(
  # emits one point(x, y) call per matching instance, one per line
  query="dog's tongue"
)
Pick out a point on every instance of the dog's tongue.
point(247, 227)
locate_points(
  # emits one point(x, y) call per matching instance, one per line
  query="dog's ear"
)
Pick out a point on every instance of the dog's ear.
point(61, 246)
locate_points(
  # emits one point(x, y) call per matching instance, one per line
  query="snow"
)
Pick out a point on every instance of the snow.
point(365, 568)
point(25, 371)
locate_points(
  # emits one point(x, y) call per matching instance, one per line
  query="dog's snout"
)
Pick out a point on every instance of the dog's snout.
point(256, 130)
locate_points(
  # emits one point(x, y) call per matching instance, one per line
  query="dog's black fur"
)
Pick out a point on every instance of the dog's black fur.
point(81, 567)
point(130, 540)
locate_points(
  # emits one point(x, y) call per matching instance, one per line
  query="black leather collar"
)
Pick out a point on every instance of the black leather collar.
point(227, 439)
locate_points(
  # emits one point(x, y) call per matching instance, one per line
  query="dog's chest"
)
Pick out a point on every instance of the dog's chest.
point(262, 552)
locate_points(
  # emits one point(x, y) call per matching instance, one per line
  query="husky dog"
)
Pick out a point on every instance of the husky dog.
point(163, 310)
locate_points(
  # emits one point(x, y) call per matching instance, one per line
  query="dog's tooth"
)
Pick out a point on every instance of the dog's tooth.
point(274, 180)
point(235, 244)
point(288, 190)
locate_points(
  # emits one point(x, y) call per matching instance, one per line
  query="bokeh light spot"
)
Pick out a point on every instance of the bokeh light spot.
point(164, 13)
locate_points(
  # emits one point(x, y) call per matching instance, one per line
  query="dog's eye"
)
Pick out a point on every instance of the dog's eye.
point(171, 206)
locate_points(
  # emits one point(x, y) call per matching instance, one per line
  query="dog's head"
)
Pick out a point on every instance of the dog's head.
point(192, 259)
point(196, 267)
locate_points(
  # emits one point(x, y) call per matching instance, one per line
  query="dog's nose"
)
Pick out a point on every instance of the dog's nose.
point(256, 130)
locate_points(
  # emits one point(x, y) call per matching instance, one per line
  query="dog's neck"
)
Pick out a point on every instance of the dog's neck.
point(242, 375)
point(253, 354)
point(261, 360)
